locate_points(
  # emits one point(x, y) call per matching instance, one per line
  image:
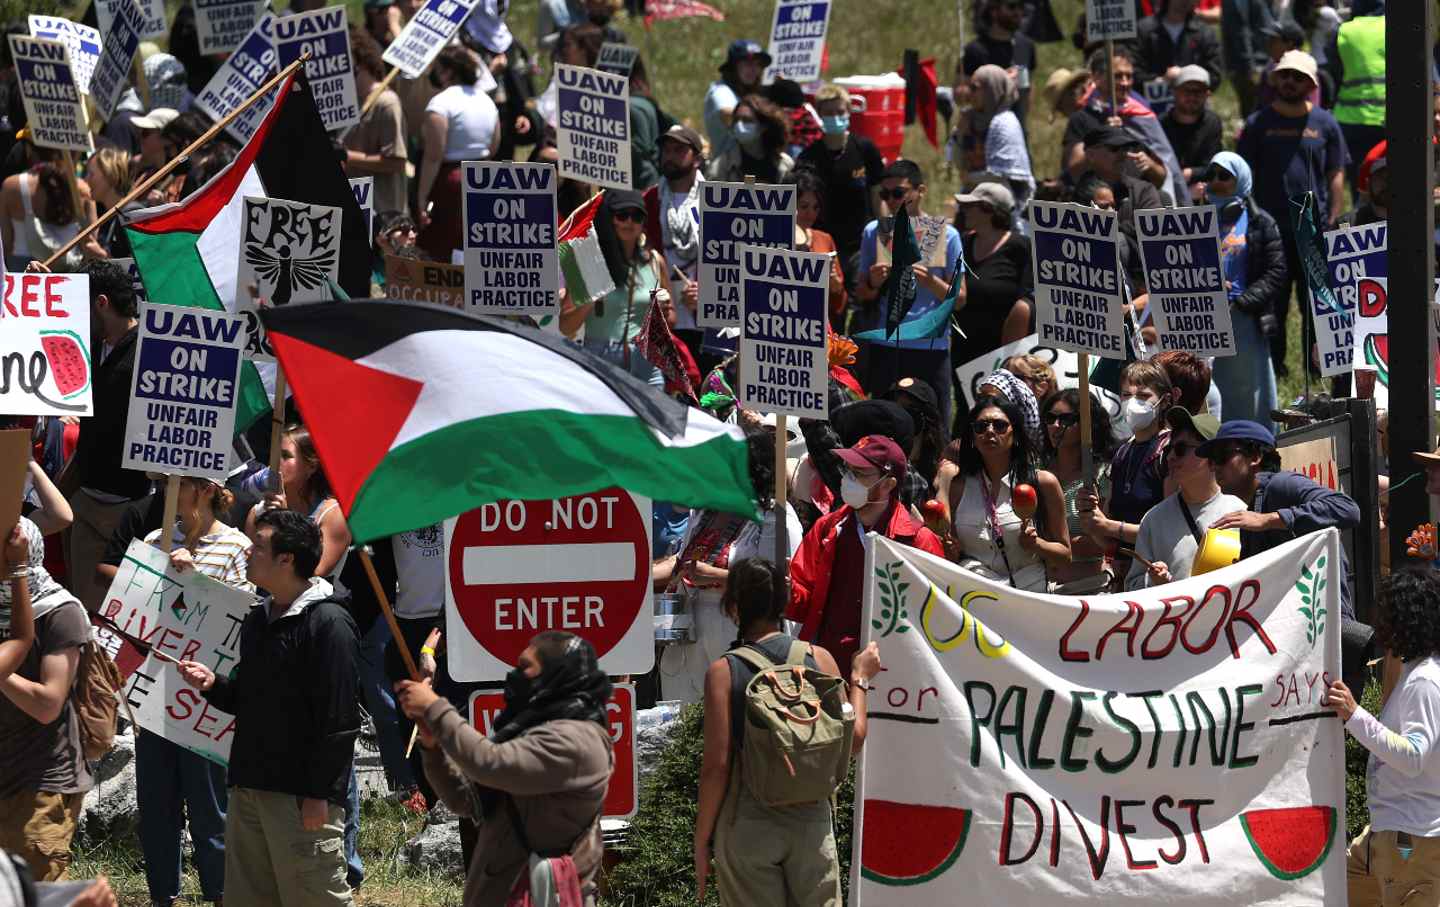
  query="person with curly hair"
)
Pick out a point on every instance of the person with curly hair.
point(761, 133)
point(1396, 860)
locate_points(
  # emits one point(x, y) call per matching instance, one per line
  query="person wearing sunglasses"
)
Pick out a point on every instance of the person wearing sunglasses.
point(1279, 505)
point(989, 537)
point(1086, 574)
point(1171, 533)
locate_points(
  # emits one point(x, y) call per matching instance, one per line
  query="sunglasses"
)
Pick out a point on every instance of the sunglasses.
point(635, 217)
point(1223, 452)
point(999, 426)
point(1064, 420)
point(895, 194)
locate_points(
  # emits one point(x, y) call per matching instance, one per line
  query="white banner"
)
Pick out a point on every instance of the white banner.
point(187, 616)
point(1077, 278)
point(251, 65)
point(1181, 251)
point(1166, 746)
point(593, 133)
point(1065, 363)
point(426, 34)
point(330, 69)
point(797, 40)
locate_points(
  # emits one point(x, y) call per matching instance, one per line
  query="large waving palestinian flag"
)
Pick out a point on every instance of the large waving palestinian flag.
point(421, 412)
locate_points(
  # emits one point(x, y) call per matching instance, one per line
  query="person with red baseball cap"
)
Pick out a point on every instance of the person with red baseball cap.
point(827, 574)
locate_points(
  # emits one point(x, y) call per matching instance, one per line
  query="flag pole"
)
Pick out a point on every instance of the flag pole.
point(277, 424)
point(380, 596)
point(167, 521)
point(379, 89)
point(184, 156)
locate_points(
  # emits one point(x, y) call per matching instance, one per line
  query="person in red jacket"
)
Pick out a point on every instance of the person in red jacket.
point(827, 574)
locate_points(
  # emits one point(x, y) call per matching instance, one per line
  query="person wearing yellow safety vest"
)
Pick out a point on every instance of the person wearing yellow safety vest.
point(1356, 60)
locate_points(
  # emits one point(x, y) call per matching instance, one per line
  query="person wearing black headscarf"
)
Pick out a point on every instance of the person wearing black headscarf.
point(539, 778)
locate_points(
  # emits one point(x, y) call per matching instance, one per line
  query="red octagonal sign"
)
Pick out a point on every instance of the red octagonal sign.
point(579, 564)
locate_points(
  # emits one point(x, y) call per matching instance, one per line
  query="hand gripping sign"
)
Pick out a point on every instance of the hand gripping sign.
point(579, 564)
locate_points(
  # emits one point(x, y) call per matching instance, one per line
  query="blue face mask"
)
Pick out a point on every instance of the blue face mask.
point(1219, 201)
point(745, 129)
point(837, 125)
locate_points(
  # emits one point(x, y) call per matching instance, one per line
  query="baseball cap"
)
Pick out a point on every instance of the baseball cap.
point(993, 194)
point(877, 452)
point(744, 48)
point(685, 136)
point(1110, 137)
point(1204, 425)
point(158, 118)
point(1374, 163)
point(1288, 30)
point(1192, 73)
point(624, 200)
point(917, 389)
point(1239, 430)
point(1298, 61)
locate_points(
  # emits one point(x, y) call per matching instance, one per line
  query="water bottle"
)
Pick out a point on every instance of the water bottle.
point(1404, 844)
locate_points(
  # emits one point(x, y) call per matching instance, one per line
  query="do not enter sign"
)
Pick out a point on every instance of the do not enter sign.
point(579, 564)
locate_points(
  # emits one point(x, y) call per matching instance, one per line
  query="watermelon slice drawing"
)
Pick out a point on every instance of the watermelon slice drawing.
point(69, 361)
point(1377, 355)
point(908, 844)
point(1292, 842)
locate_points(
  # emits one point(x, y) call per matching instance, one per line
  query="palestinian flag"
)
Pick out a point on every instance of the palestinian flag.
point(420, 412)
point(188, 252)
point(581, 261)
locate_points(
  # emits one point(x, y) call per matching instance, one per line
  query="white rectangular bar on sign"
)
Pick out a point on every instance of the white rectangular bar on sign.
point(593, 562)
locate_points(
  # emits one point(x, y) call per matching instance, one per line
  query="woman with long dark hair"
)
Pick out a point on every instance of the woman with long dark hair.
point(304, 488)
point(1060, 416)
point(989, 536)
point(40, 215)
point(761, 133)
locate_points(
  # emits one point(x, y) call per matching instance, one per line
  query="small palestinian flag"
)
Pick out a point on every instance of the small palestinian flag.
point(420, 413)
point(658, 345)
point(581, 261)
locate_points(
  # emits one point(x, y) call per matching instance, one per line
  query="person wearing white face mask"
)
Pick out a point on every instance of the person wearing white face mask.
point(761, 133)
point(1138, 480)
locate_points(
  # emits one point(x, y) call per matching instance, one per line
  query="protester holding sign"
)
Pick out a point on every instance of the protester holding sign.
point(1086, 574)
point(461, 124)
point(375, 146)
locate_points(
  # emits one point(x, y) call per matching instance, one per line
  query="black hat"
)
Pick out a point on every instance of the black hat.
point(1112, 137)
point(854, 421)
point(919, 390)
point(743, 49)
point(785, 93)
point(1288, 30)
point(624, 200)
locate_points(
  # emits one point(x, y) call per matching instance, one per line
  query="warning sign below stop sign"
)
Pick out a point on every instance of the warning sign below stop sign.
point(579, 564)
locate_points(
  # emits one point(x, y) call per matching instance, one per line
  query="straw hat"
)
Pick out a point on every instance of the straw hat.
point(1061, 82)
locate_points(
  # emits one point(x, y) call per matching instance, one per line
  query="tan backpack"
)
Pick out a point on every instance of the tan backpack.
point(96, 700)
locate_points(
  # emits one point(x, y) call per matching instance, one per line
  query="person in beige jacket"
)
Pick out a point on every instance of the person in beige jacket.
point(537, 783)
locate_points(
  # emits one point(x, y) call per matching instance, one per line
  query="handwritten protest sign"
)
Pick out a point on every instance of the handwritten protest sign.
point(331, 70)
point(152, 14)
point(783, 366)
point(223, 24)
point(364, 189)
point(187, 616)
point(182, 391)
point(112, 71)
point(732, 215)
point(82, 41)
point(1181, 251)
point(45, 345)
point(409, 280)
point(1077, 279)
point(252, 64)
point(426, 34)
point(1350, 254)
point(593, 132)
point(1166, 746)
point(1109, 20)
point(52, 102)
point(1065, 363)
point(797, 39)
point(289, 252)
point(511, 267)
point(617, 58)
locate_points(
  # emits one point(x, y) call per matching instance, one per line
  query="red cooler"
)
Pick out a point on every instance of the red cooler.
point(877, 111)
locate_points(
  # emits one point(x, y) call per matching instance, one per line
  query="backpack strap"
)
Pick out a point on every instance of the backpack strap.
point(752, 656)
point(798, 652)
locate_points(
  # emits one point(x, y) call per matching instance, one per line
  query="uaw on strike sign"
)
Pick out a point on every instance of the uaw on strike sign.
point(1168, 746)
point(579, 564)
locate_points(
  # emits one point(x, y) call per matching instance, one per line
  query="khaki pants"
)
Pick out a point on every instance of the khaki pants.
point(783, 857)
point(85, 544)
point(271, 861)
point(38, 826)
point(1377, 876)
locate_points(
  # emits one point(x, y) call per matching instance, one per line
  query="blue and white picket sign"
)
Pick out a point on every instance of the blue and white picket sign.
point(783, 364)
point(511, 266)
point(152, 14)
point(426, 34)
point(733, 215)
point(52, 101)
point(364, 189)
point(183, 392)
point(1180, 248)
point(82, 41)
point(252, 64)
point(593, 130)
point(1078, 303)
point(223, 24)
point(117, 56)
point(797, 40)
point(330, 69)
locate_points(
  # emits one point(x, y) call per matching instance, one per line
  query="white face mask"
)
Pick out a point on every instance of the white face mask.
point(853, 492)
point(1138, 414)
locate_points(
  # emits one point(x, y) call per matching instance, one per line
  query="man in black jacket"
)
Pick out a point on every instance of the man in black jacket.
point(1172, 38)
point(294, 696)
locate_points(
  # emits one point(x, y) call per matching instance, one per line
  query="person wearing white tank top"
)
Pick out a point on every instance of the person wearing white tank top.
point(28, 235)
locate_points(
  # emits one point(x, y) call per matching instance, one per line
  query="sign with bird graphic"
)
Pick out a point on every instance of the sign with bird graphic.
point(289, 252)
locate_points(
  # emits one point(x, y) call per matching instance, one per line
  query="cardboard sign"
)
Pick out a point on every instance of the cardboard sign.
point(1315, 460)
point(1166, 746)
point(1065, 363)
point(617, 58)
point(593, 130)
point(152, 15)
point(252, 64)
point(45, 345)
point(182, 392)
point(1350, 254)
point(330, 69)
point(188, 616)
point(511, 267)
point(112, 71)
point(732, 215)
point(426, 34)
point(52, 102)
point(288, 252)
point(364, 189)
point(622, 798)
point(1077, 278)
point(797, 40)
point(223, 24)
point(783, 366)
point(14, 465)
point(82, 41)
point(579, 564)
point(1188, 303)
point(1112, 20)
point(409, 280)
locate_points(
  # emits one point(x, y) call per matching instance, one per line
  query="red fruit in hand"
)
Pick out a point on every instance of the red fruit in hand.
point(933, 507)
point(1023, 500)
